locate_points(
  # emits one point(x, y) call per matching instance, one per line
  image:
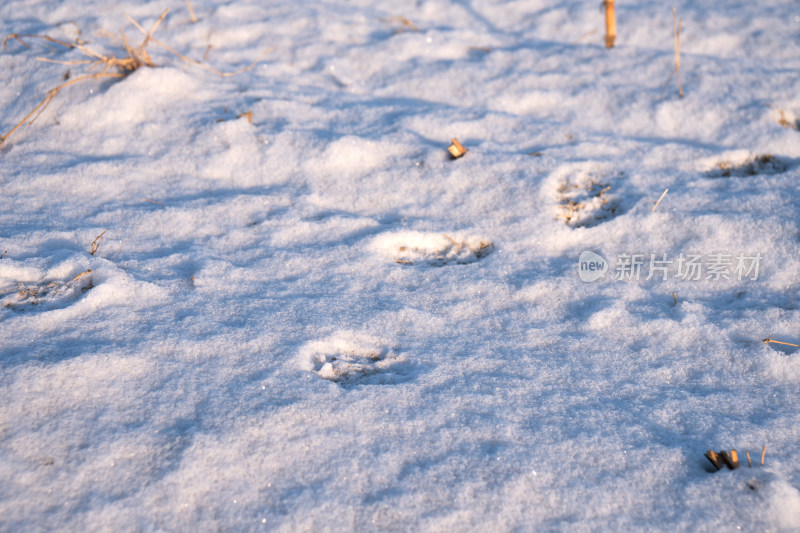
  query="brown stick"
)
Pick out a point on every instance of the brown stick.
point(676, 34)
point(749, 464)
point(611, 24)
point(763, 454)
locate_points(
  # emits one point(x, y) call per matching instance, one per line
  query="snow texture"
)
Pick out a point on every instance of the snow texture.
point(318, 320)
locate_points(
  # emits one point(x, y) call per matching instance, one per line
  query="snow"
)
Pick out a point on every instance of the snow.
point(318, 320)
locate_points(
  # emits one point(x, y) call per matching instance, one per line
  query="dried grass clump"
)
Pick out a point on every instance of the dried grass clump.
point(106, 65)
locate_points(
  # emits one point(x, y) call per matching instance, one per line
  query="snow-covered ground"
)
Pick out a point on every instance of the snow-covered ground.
point(319, 321)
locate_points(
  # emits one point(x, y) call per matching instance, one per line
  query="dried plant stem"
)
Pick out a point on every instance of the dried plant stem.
point(763, 454)
point(749, 464)
point(52, 93)
point(676, 34)
point(155, 202)
point(675, 297)
point(79, 276)
point(769, 340)
point(663, 194)
point(96, 243)
point(191, 11)
point(611, 24)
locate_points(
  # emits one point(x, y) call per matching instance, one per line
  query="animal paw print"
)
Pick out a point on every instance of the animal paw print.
point(587, 201)
point(352, 361)
point(757, 165)
point(49, 295)
point(433, 249)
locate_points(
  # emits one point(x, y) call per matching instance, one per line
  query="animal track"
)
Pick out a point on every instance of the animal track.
point(587, 201)
point(757, 165)
point(352, 361)
point(433, 249)
point(46, 296)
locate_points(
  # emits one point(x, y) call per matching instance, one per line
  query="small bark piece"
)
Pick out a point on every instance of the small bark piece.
point(456, 149)
point(712, 456)
point(749, 464)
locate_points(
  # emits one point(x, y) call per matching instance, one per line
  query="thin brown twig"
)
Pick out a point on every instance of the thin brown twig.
point(763, 454)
